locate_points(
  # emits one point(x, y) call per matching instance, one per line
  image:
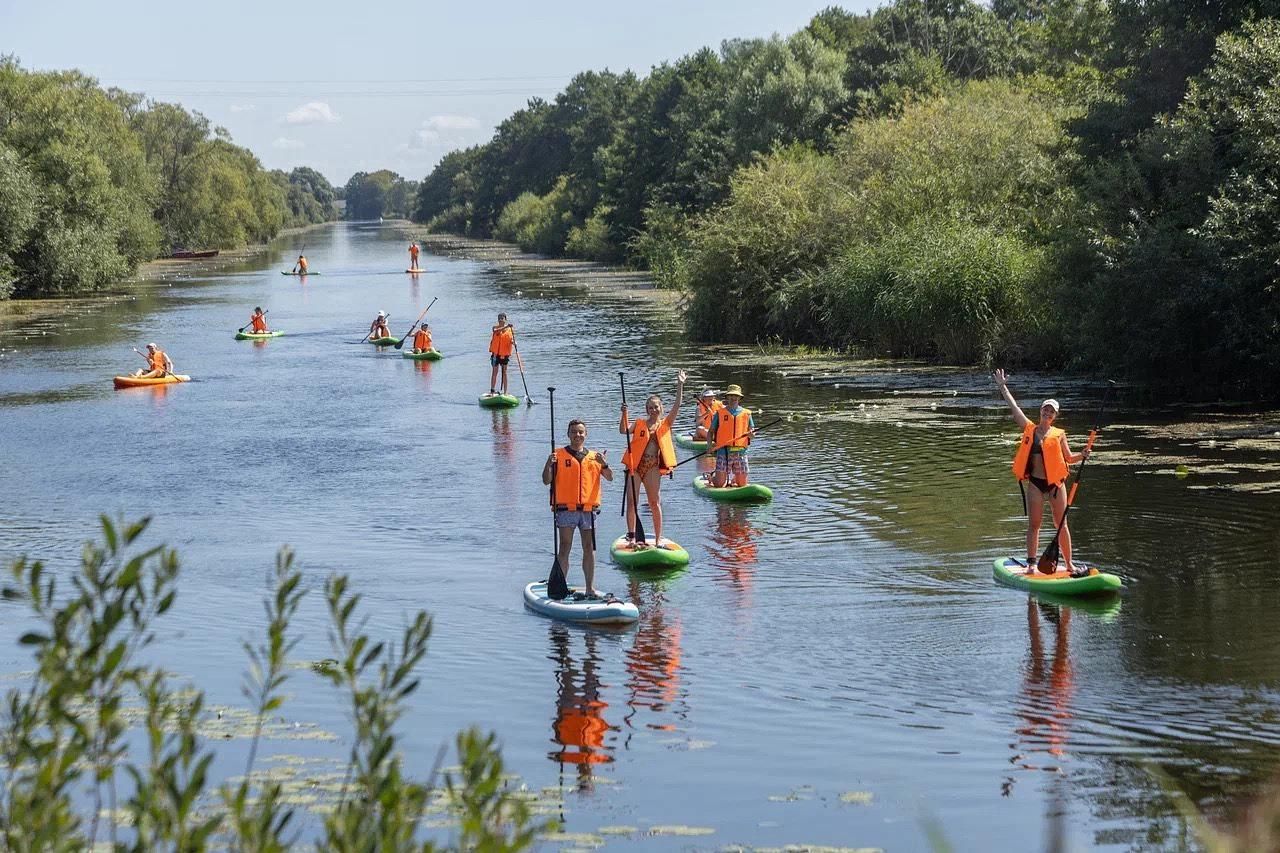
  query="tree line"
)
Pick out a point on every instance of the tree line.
point(1074, 184)
point(94, 181)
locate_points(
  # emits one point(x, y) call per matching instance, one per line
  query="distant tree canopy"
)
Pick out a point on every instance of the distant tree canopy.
point(1063, 183)
point(93, 181)
point(371, 195)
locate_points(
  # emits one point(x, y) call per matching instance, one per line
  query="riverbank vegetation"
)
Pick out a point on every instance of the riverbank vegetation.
point(94, 181)
point(1064, 184)
point(101, 748)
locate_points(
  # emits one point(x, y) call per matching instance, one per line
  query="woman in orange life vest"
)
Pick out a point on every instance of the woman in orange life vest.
point(301, 265)
point(708, 405)
point(576, 501)
point(650, 454)
point(501, 343)
point(159, 363)
point(422, 339)
point(258, 321)
point(378, 328)
point(413, 255)
point(1042, 465)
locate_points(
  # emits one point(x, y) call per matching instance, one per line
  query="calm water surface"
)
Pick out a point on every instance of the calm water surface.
point(834, 668)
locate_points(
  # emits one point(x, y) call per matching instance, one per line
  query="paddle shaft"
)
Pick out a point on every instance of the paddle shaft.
point(1050, 556)
point(557, 576)
point(731, 441)
point(250, 323)
point(515, 348)
point(400, 342)
point(147, 359)
point(631, 484)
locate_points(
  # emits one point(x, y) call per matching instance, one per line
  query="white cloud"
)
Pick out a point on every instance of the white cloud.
point(315, 112)
point(243, 108)
point(450, 122)
point(284, 143)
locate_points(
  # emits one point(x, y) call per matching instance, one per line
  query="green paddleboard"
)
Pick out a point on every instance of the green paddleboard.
point(257, 336)
point(649, 556)
point(688, 442)
point(499, 401)
point(384, 342)
point(750, 493)
point(429, 355)
point(1011, 572)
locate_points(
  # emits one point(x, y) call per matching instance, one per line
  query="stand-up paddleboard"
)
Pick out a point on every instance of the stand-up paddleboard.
point(688, 442)
point(257, 336)
point(578, 608)
point(669, 555)
point(308, 272)
point(499, 401)
point(1012, 572)
point(414, 271)
point(384, 342)
point(147, 381)
point(429, 355)
point(750, 493)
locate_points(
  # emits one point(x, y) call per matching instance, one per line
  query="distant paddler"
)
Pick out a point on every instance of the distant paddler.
point(502, 341)
point(1041, 466)
point(708, 405)
point(422, 339)
point(575, 473)
point(650, 454)
point(730, 433)
point(158, 363)
point(413, 255)
point(301, 266)
point(378, 329)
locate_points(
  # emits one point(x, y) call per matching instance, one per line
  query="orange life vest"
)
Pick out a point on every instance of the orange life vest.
point(413, 252)
point(158, 360)
point(502, 341)
point(422, 340)
point(302, 264)
point(577, 484)
point(1055, 468)
point(731, 430)
point(707, 412)
point(640, 440)
point(259, 323)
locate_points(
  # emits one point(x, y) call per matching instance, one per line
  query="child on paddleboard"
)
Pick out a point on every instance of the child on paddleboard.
point(650, 454)
point(574, 472)
point(730, 433)
point(501, 342)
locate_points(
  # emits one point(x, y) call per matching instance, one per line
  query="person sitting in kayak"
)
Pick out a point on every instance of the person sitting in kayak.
point(301, 266)
point(729, 433)
point(422, 339)
point(259, 322)
point(158, 363)
point(650, 454)
point(378, 328)
point(574, 474)
point(413, 255)
point(1041, 465)
point(708, 405)
point(501, 343)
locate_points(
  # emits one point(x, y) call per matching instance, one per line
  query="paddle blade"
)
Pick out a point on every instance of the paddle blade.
point(557, 588)
point(1048, 562)
point(640, 537)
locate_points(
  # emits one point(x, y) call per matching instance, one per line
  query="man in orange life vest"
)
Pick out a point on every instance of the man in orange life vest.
point(301, 266)
point(422, 339)
point(501, 343)
point(576, 473)
point(159, 363)
point(413, 255)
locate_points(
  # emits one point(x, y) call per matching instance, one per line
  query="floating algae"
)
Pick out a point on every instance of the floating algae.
point(583, 839)
point(680, 829)
point(618, 830)
point(859, 798)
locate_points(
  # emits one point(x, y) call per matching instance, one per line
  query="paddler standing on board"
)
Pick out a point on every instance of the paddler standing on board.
point(301, 266)
point(501, 342)
point(576, 473)
point(729, 434)
point(413, 255)
point(708, 405)
point(650, 454)
point(1041, 465)
point(158, 364)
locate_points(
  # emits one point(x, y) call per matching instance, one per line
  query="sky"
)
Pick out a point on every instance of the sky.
point(348, 86)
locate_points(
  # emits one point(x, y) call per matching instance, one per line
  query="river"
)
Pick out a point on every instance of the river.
point(834, 668)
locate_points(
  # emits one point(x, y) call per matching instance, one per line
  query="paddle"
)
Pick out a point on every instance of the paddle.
point(400, 343)
point(630, 485)
point(557, 587)
point(250, 323)
point(1048, 562)
point(520, 364)
point(301, 254)
point(147, 359)
point(370, 332)
point(730, 441)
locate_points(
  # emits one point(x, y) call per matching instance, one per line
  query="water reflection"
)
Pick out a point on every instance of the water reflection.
point(1044, 702)
point(579, 729)
point(653, 662)
point(504, 440)
point(734, 550)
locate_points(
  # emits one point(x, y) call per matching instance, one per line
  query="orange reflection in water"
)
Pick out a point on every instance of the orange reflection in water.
point(1044, 703)
point(653, 661)
point(734, 550)
point(579, 728)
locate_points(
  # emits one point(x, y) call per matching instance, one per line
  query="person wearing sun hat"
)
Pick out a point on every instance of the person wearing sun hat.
point(1042, 463)
point(708, 405)
point(729, 434)
point(379, 328)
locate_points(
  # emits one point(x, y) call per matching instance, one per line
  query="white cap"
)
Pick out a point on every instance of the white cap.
point(382, 313)
point(709, 393)
point(152, 346)
point(1052, 403)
